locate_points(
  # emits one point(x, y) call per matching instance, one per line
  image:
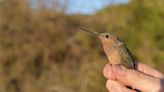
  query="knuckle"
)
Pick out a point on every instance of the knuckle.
point(107, 72)
point(161, 76)
point(109, 85)
point(113, 86)
point(132, 74)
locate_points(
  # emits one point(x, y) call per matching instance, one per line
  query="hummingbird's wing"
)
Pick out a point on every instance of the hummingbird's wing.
point(126, 57)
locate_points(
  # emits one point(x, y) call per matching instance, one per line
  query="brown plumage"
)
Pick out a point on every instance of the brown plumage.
point(116, 51)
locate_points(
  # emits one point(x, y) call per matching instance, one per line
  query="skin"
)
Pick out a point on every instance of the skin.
point(144, 78)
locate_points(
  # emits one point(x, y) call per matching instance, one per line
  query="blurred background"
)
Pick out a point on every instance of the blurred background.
point(42, 50)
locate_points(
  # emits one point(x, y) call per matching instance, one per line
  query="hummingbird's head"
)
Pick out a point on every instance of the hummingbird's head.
point(107, 39)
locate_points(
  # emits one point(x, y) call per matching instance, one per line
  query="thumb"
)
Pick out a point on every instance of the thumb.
point(135, 79)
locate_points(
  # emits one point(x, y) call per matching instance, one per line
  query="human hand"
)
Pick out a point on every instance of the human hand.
point(144, 78)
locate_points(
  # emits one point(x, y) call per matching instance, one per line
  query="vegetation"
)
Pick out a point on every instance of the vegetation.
point(41, 50)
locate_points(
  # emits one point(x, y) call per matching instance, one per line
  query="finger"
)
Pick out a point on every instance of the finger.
point(148, 70)
point(107, 71)
point(136, 79)
point(115, 86)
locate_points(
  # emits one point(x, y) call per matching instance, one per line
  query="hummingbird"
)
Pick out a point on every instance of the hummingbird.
point(115, 50)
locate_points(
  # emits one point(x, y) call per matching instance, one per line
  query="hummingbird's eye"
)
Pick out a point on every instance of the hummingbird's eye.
point(107, 36)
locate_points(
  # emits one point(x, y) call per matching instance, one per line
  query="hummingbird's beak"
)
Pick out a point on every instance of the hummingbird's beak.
point(84, 29)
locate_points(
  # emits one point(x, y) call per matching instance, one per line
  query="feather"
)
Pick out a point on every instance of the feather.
point(126, 57)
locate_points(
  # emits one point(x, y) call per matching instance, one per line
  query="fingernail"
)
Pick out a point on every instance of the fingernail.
point(119, 69)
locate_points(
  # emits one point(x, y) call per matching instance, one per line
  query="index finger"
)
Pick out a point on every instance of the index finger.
point(148, 70)
point(108, 73)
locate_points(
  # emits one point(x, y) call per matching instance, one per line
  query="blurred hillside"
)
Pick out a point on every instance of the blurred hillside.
point(41, 50)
